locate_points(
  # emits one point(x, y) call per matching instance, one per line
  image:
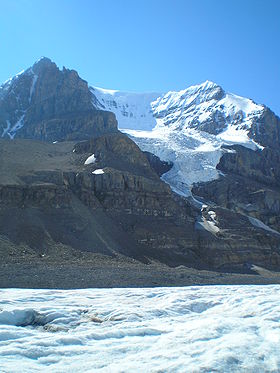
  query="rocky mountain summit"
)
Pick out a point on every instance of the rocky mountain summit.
point(48, 104)
point(196, 182)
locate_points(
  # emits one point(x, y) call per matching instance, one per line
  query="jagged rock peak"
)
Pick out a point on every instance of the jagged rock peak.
point(47, 103)
point(43, 61)
point(42, 64)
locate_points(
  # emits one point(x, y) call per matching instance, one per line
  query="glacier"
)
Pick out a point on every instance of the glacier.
point(189, 127)
point(194, 329)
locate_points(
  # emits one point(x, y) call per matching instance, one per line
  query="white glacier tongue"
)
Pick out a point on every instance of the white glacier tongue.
point(194, 155)
point(188, 127)
point(191, 329)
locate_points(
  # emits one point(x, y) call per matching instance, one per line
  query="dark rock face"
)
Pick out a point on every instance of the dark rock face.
point(214, 125)
point(122, 210)
point(75, 127)
point(117, 151)
point(46, 103)
point(250, 186)
point(266, 130)
point(159, 166)
point(260, 165)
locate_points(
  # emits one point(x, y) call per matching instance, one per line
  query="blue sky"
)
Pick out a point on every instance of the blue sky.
point(155, 45)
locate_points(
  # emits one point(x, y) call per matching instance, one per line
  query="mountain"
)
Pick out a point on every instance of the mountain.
point(195, 182)
point(223, 147)
point(191, 127)
point(46, 103)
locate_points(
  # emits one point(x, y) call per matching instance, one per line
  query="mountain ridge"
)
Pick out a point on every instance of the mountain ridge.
point(71, 181)
point(202, 118)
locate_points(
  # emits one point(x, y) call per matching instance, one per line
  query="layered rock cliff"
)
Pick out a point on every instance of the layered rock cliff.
point(51, 195)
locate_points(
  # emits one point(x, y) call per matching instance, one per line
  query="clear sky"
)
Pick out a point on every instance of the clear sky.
point(150, 45)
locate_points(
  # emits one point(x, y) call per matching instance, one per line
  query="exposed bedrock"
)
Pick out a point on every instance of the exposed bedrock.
point(49, 104)
point(250, 184)
point(47, 201)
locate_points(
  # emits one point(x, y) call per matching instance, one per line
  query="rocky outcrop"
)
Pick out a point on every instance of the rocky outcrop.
point(118, 211)
point(159, 166)
point(46, 103)
point(265, 129)
point(259, 165)
point(117, 151)
point(250, 184)
point(38, 195)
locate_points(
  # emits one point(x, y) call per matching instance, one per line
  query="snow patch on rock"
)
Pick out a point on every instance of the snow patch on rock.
point(91, 159)
point(19, 124)
point(99, 171)
point(32, 88)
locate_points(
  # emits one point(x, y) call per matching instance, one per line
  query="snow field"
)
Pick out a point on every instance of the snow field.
point(209, 328)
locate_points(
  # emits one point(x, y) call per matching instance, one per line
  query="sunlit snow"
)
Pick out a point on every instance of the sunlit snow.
point(19, 124)
point(91, 159)
point(193, 329)
point(171, 127)
point(133, 110)
point(99, 171)
point(32, 88)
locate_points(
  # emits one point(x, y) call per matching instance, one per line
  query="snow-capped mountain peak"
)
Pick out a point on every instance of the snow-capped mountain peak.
point(206, 107)
point(188, 127)
point(196, 94)
point(41, 92)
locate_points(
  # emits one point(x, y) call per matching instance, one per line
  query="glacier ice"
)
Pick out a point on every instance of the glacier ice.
point(208, 328)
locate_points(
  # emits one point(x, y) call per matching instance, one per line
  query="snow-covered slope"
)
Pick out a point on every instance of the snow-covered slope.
point(133, 110)
point(188, 127)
